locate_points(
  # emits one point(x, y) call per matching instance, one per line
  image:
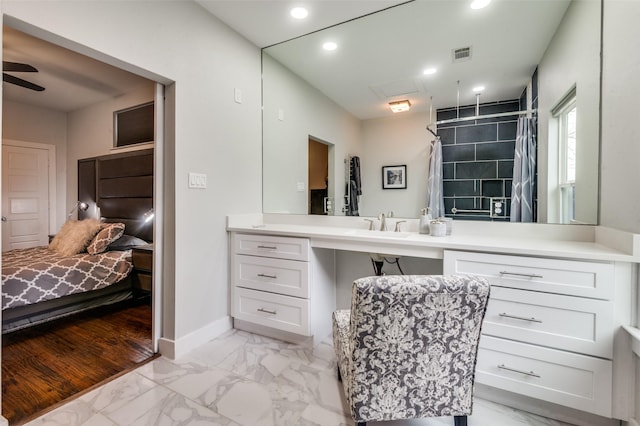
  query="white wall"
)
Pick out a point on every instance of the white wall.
point(32, 124)
point(305, 112)
point(353, 265)
point(571, 60)
point(180, 42)
point(396, 140)
point(90, 133)
point(620, 173)
point(401, 139)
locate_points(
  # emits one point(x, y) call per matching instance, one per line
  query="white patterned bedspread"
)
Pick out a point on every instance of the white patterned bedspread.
point(36, 274)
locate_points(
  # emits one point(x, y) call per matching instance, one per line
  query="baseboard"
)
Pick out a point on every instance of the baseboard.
point(173, 349)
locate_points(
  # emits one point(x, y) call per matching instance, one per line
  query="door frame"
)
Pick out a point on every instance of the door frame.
point(51, 152)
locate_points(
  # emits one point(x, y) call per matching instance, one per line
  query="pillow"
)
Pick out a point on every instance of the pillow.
point(74, 236)
point(126, 242)
point(108, 234)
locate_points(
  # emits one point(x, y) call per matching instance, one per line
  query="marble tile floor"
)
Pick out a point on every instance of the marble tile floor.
point(243, 379)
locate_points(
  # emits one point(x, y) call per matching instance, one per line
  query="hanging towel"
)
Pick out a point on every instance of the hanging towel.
point(355, 174)
point(353, 200)
point(355, 189)
point(435, 196)
point(524, 172)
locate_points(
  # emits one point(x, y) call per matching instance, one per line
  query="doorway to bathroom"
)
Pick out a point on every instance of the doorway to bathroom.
point(318, 179)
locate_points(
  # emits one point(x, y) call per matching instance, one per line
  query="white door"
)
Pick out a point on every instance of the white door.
point(25, 197)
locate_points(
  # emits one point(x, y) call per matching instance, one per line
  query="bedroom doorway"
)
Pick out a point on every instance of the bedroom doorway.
point(19, 112)
point(28, 174)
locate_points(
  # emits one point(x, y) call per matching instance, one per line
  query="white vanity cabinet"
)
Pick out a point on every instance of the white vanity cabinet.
point(550, 326)
point(281, 287)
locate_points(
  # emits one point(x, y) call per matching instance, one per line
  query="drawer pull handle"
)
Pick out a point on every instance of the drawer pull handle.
point(532, 319)
point(515, 370)
point(268, 247)
point(267, 276)
point(266, 311)
point(519, 274)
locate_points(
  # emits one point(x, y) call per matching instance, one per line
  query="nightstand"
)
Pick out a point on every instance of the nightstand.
point(141, 276)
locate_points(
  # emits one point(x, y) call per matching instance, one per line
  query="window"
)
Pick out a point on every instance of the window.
point(134, 125)
point(566, 114)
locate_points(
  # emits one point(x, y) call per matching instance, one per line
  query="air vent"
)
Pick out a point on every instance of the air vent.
point(461, 54)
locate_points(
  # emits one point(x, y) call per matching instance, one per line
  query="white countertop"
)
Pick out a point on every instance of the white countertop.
point(350, 233)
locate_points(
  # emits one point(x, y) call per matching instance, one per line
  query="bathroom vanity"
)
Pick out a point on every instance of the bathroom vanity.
point(554, 328)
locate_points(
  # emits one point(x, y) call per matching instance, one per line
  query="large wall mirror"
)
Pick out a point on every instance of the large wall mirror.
point(541, 56)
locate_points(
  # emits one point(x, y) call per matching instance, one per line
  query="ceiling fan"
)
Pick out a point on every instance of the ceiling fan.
point(18, 67)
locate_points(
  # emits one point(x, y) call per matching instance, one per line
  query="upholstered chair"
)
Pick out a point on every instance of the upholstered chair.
point(407, 348)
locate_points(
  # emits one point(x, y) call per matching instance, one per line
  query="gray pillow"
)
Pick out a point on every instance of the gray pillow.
point(126, 242)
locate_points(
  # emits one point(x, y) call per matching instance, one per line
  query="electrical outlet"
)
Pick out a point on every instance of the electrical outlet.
point(197, 180)
point(498, 207)
point(237, 95)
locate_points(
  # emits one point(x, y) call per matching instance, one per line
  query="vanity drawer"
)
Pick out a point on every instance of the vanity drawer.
point(272, 310)
point(272, 246)
point(289, 277)
point(577, 381)
point(563, 322)
point(576, 278)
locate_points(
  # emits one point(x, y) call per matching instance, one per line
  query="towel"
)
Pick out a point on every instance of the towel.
point(354, 186)
point(355, 174)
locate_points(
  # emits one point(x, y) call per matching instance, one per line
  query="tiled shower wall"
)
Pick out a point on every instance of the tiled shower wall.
point(477, 157)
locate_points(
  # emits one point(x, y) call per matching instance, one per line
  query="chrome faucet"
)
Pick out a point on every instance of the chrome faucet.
point(383, 222)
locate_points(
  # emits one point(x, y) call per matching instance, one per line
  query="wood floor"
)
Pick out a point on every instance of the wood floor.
point(46, 365)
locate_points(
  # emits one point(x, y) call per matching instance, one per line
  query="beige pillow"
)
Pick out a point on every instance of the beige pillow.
point(74, 236)
point(108, 234)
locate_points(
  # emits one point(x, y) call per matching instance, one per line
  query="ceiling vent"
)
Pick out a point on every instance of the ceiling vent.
point(461, 54)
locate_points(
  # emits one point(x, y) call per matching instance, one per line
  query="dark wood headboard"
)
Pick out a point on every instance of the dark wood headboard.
point(122, 187)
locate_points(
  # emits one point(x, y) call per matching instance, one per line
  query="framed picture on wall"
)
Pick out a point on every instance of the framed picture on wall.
point(394, 177)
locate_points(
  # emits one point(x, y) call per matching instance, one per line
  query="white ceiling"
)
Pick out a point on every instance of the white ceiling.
point(71, 80)
point(381, 57)
point(267, 22)
point(74, 81)
point(376, 53)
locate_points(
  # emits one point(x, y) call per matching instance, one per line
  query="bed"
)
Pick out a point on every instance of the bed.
point(88, 263)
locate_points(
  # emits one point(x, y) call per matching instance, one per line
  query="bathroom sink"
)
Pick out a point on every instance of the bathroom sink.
point(378, 234)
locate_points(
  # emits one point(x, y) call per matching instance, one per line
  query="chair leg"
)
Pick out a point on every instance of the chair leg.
point(460, 420)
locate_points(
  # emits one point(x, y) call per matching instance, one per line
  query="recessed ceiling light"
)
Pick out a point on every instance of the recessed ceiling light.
point(479, 4)
point(429, 71)
point(478, 89)
point(329, 45)
point(299, 12)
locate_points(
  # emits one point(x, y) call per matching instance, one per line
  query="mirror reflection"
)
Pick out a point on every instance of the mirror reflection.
point(324, 108)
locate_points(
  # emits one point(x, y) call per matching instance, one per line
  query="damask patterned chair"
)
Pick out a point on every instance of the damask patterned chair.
point(407, 348)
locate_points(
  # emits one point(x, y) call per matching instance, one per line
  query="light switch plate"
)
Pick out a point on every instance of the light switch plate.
point(197, 180)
